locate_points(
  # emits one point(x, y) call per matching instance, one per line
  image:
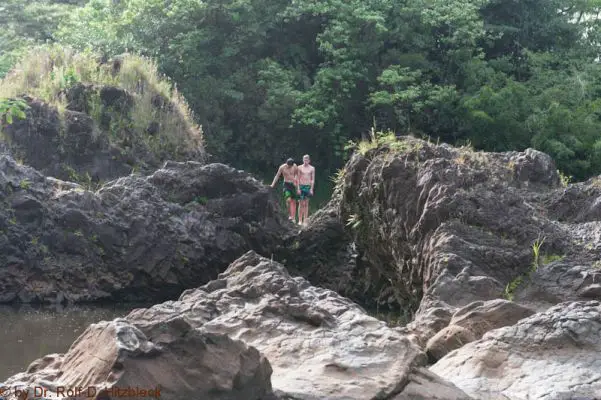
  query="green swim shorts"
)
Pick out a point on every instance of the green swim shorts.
point(289, 191)
point(305, 192)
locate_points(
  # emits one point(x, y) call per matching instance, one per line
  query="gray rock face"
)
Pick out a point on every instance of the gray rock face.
point(116, 360)
point(323, 252)
point(437, 228)
point(552, 355)
point(319, 344)
point(136, 238)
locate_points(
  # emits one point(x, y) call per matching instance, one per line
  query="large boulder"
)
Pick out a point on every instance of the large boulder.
point(136, 238)
point(437, 228)
point(552, 355)
point(116, 360)
point(319, 344)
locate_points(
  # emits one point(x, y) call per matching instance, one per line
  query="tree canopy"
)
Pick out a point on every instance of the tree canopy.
point(269, 79)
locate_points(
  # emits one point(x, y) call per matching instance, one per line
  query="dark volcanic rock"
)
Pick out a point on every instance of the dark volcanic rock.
point(139, 237)
point(324, 253)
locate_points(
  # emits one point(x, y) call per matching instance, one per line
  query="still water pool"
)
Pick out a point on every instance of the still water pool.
point(28, 333)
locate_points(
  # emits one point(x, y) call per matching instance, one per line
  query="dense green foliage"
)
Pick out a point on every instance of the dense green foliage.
point(268, 79)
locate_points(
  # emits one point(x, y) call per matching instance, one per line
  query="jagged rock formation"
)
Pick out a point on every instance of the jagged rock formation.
point(437, 228)
point(319, 345)
point(553, 355)
point(323, 252)
point(136, 238)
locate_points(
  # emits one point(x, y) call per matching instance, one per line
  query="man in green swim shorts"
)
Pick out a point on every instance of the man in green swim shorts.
point(306, 177)
point(290, 172)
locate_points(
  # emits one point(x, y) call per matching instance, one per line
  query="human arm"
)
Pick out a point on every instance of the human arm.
point(312, 179)
point(277, 176)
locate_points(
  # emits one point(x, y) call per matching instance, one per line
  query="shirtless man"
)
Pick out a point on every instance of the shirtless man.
point(306, 174)
point(289, 170)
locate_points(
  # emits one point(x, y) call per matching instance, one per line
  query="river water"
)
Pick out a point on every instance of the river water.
point(28, 333)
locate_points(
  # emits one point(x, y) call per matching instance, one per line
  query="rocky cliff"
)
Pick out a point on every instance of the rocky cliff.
point(441, 227)
point(492, 258)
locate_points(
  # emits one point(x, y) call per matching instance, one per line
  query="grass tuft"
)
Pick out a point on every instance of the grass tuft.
point(379, 139)
point(538, 260)
point(564, 179)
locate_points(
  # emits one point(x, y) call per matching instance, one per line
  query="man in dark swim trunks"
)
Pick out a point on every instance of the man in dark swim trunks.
point(289, 170)
point(306, 179)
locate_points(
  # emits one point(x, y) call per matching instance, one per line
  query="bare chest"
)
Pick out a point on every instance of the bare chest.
point(288, 174)
point(305, 173)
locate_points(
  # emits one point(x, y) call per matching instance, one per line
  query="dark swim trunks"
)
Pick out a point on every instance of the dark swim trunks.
point(289, 191)
point(305, 192)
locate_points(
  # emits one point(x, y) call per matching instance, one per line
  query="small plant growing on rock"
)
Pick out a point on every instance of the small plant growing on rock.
point(536, 252)
point(376, 139)
point(202, 200)
point(338, 178)
point(354, 221)
point(564, 179)
point(510, 288)
point(509, 292)
point(24, 184)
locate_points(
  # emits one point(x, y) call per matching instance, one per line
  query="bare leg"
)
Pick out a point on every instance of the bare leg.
point(302, 212)
point(292, 209)
point(306, 210)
